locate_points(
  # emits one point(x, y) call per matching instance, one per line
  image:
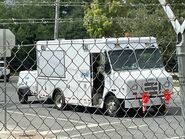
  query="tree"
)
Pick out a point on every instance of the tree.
point(32, 22)
point(95, 21)
point(139, 18)
point(98, 19)
point(149, 19)
point(27, 25)
point(72, 23)
point(42, 26)
point(140, 23)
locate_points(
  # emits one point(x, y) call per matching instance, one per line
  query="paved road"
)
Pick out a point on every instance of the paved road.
point(40, 120)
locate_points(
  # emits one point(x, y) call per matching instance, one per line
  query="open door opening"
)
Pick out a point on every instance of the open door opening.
point(97, 78)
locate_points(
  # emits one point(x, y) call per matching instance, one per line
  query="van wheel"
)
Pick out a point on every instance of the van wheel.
point(49, 101)
point(23, 99)
point(59, 100)
point(112, 105)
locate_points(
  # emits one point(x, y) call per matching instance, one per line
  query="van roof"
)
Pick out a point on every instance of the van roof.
point(103, 40)
point(97, 45)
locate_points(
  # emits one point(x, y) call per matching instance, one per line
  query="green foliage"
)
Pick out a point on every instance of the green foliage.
point(98, 19)
point(29, 31)
point(143, 22)
point(95, 21)
point(30, 27)
point(141, 18)
point(26, 30)
point(72, 29)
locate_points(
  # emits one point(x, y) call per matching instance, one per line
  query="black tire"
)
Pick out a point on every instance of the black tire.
point(7, 78)
point(112, 106)
point(159, 109)
point(23, 99)
point(49, 101)
point(59, 100)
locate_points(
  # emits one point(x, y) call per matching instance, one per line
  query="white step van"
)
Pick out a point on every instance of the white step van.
point(123, 72)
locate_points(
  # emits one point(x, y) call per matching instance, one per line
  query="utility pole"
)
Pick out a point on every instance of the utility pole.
point(180, 51)
point(56, 28)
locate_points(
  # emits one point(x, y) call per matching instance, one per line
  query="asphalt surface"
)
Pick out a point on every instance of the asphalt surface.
point(38, 119)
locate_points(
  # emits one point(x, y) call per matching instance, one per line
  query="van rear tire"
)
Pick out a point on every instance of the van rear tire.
point(23, 99)
point(59, 100)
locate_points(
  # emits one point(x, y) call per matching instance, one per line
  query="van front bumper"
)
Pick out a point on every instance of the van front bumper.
point(137, 103)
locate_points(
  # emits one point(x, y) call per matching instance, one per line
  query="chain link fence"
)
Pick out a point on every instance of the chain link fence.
point(119, 87)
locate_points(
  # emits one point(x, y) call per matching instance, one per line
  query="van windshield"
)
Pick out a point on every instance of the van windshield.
point(123, 60)
point(140, 58)
point(149, 58)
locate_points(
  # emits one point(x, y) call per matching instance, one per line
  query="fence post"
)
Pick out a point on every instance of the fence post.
point(4, 57)
point(180, 50)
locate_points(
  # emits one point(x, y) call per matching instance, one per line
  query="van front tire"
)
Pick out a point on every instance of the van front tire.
point(112, 106)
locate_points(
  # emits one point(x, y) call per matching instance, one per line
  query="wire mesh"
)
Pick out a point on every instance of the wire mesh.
point(119, 87)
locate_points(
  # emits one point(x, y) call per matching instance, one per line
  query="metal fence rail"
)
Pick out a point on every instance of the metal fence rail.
point(124, 87)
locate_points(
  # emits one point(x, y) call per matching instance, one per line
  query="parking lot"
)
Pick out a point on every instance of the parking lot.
point(39, 119)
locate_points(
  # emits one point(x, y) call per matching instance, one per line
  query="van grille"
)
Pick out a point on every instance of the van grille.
point(152, 87)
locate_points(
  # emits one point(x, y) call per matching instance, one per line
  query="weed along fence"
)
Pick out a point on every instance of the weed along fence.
point(97, 87)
